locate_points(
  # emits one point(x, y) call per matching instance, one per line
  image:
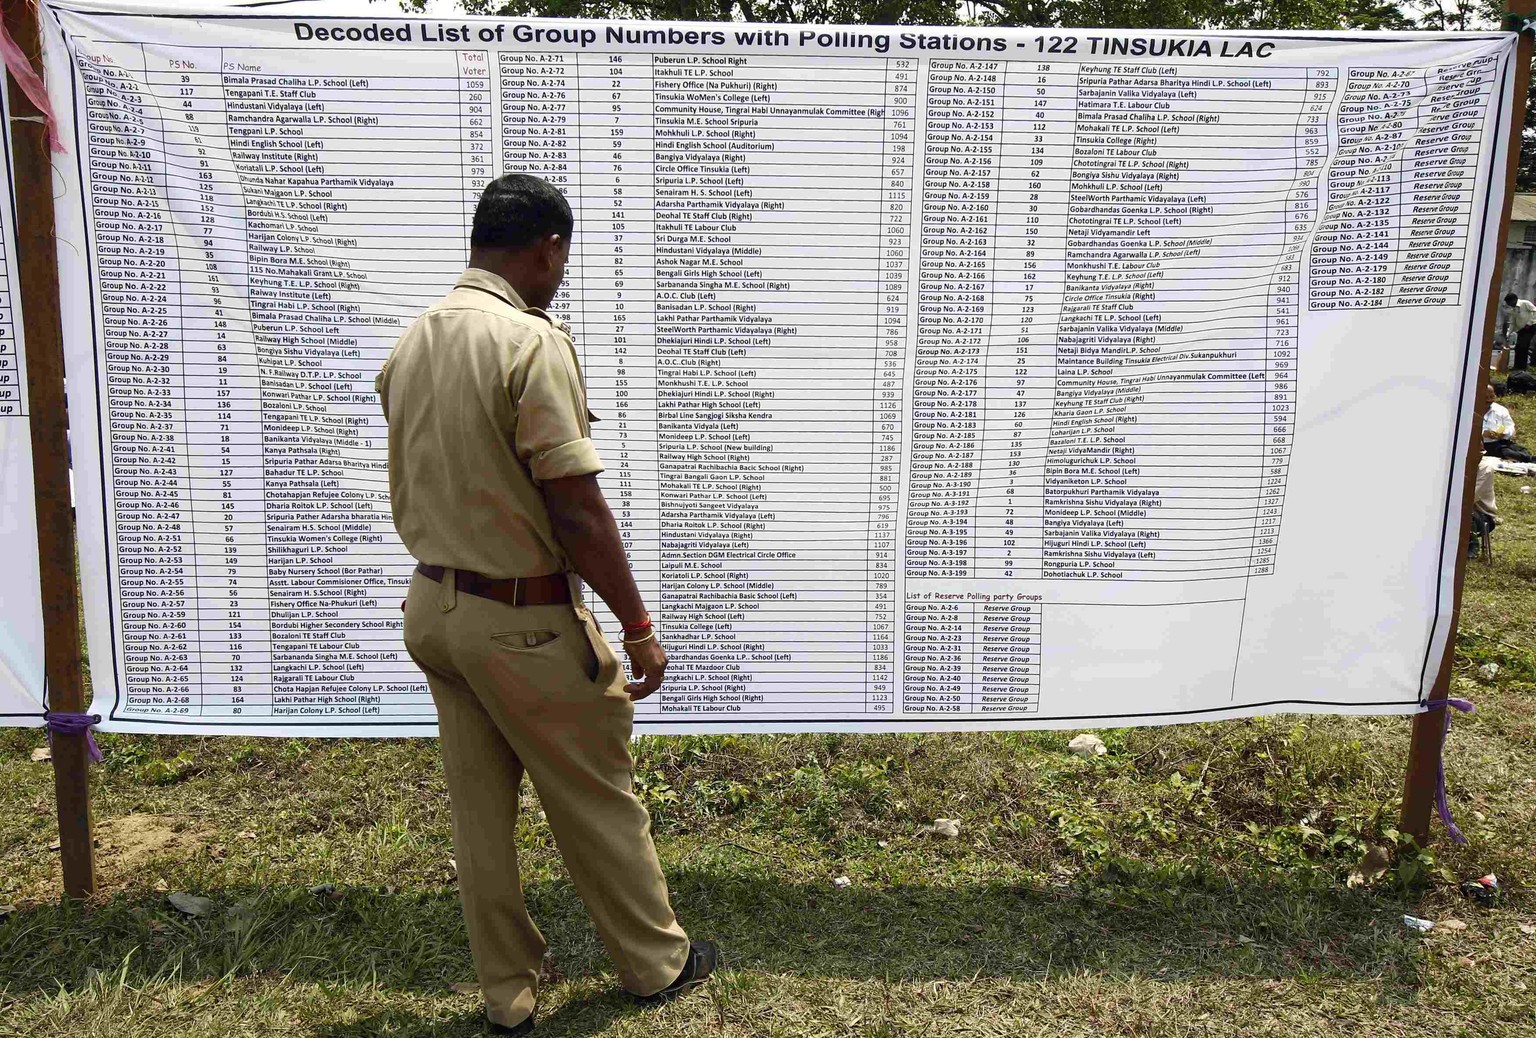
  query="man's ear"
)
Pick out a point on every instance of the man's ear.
point(553, 251)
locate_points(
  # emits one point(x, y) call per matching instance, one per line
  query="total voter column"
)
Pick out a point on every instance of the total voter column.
point(893, 324)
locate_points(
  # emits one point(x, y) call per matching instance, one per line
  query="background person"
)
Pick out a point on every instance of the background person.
point(1485, 506)
point(1499, 431)
point(1518, 326)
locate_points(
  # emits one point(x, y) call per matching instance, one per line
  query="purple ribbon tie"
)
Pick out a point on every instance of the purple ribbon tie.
point(81, 724)
point(1444, 808)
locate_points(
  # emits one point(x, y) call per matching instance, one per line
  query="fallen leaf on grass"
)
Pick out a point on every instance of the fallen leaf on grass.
point(1453, 924)
point(1087, 745)
point(464, 987)
point(1528, 929)
point(41, 755)
point(191, 904)
point(947, 828)
point(1373, 866)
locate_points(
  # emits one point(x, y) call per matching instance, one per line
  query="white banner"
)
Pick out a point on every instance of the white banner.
point(21, 604)
point(949, 379)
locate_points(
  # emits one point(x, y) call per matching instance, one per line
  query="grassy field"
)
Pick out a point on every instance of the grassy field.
point(1195, 881)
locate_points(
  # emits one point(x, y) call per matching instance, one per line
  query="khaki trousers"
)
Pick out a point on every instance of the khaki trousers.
point(539, 688)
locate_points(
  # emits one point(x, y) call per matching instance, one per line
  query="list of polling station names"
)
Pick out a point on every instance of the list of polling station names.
point(945, 378)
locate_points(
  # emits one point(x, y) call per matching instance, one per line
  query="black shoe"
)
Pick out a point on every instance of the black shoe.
point(703, 956)
point(526, 1027)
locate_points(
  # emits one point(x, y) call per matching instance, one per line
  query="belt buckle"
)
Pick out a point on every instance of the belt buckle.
point(517, 591)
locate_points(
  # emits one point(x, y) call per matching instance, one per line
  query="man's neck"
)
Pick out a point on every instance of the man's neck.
point(511, 268)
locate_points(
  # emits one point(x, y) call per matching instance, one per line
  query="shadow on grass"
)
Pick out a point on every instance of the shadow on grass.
point(414, 941)
point(576, 1017)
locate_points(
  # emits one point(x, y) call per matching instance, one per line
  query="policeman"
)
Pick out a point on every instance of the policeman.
point(493, 482)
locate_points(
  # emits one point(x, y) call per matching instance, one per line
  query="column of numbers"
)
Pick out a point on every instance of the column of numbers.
point(476, 135)
point(897, 194)
point(1282, 348)
point(223, 383)
point(1030, 282)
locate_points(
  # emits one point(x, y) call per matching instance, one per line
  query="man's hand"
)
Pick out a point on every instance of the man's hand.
point(649, 661)
point(584, 525)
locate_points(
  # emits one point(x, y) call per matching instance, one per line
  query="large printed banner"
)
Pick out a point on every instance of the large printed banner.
point(948, 379)
point(21, 608)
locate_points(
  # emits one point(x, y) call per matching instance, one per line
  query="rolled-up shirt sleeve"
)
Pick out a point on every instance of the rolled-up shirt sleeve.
point(552, 436)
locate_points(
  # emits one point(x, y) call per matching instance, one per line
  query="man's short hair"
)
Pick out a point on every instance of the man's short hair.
point(517, 210)
point(1511, 299)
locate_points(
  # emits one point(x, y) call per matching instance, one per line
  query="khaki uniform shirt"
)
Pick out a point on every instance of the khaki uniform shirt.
point(485, 401)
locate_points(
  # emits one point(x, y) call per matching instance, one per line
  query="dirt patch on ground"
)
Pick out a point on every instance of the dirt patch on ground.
point(133, 841)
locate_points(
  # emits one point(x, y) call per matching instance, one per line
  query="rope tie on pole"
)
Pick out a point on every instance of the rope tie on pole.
point(66, 723)
point(1442, 806)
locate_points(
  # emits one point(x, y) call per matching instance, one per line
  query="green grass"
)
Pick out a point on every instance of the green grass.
point(1193, 882)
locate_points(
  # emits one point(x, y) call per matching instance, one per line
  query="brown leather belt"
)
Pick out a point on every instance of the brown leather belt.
point(549, 589)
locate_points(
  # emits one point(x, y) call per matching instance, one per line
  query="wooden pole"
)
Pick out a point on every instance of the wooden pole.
point(1429, 728)
point(39, 270)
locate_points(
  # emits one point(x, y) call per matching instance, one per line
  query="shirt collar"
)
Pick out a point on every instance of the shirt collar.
point(485, 281)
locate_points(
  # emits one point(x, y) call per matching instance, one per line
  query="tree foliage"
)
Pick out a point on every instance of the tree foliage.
point(1124, 14)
